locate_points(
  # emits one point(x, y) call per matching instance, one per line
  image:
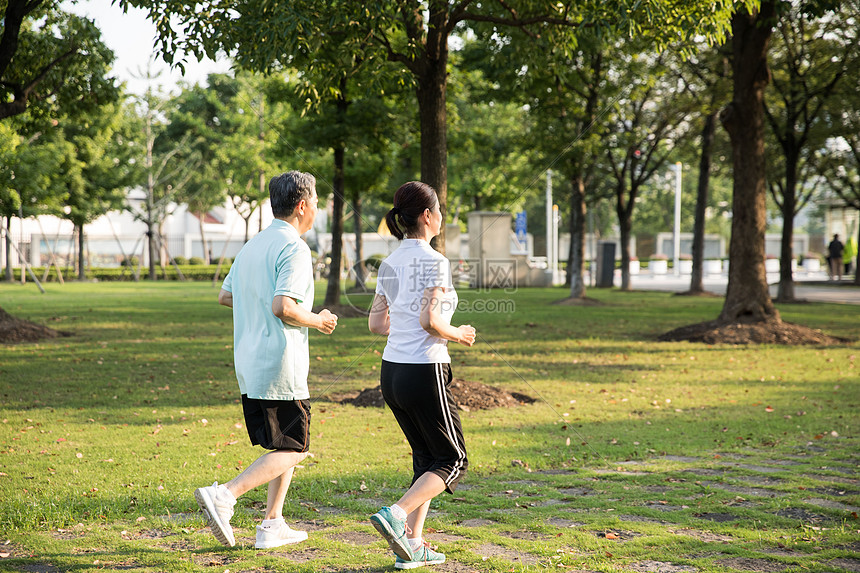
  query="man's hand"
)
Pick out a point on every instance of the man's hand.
point(328, 321)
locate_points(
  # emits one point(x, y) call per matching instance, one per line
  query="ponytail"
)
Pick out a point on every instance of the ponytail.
point(391, 222)
point(410, 201)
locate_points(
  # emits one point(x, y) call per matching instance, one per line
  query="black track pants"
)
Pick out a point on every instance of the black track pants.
point(418, 396)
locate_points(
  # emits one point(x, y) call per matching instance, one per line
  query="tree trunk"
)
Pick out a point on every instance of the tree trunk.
point(206, 257)
point(576, 256)
point(624, 213)
point(8, 249)
point(697, 280)
point(332, 293)
point(785, 291)
point(432, 86)
point(360, 268)
point(151, 247)
point(82, 262)
point(747, 295)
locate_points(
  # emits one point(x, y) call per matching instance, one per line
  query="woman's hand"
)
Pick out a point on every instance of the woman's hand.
point(467, 335)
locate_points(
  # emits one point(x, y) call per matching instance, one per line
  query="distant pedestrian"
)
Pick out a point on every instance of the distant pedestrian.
point(834, 257)
point(414, 302)
point(849, 253)
point(270, 288)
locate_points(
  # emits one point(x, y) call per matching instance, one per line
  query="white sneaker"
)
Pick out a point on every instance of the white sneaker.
point(277, 535)
point(217, 507)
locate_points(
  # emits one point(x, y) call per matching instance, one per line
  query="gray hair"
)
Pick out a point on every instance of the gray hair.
point(288, 189)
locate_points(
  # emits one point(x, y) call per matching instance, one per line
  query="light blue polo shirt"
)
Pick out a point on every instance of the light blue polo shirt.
point(271, 357)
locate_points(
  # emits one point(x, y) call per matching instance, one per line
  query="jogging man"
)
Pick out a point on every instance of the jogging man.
point(271, 291)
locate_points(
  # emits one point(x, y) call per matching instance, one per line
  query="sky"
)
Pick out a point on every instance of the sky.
point(130, 35)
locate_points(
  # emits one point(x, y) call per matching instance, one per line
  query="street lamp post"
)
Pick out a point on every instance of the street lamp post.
point(676, 247)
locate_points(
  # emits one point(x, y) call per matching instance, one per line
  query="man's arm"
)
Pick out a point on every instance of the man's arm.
point(291, 312)
point(225, 297)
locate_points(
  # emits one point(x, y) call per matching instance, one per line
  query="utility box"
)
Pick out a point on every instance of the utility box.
point(605, 271)
point(490, 250)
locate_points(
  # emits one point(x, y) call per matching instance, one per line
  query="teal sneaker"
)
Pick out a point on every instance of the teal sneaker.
point(393, 530)
point(422, 556)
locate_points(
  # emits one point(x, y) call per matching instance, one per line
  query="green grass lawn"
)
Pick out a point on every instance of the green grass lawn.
point(696, 457)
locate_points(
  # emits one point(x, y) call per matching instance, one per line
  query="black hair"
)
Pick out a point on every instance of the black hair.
point(288, 189)
point(410, 201)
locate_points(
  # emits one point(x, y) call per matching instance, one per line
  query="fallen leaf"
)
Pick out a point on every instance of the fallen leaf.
point(611, 535)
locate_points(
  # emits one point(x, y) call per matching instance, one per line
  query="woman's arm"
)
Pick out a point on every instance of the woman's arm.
point(431, 319)
point(379, 321)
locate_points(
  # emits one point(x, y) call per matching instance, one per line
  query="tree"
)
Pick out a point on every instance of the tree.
point(98, 171)
point(647, 124)
point(29, 163)
point(166, 167)
point(706, 75)
point(50, 59)
point(810, 59)
point(747, 295)
point(414, 35)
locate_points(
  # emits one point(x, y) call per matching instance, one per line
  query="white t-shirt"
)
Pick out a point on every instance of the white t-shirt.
point(403, 279)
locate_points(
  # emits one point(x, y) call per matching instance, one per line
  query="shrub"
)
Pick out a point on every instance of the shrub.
point(180, 260)
point(196, 261)
point(373, 261)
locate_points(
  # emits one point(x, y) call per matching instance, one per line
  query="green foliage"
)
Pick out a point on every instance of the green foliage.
point(60, 65)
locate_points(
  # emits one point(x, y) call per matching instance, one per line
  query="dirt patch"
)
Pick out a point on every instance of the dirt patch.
point(759, 469)
point(801, 514)
point(765, 332)
point(718, 517)
point(683, 459)
point(154, 534)
point(833, 491)
point(846, 564)
point(749, 564)
point(212, 560)
point(560, 522)
point(577, 491)
point(762, 480)
point(38, 568)
point(301, 556)
point(617, 535)
point(467, 395)
point(828, 504)
point(181, 545)
point(15, 330)
point(477, 522)
point(309, 525)
point(528, 535)
point(443, 537)
point(757, 491)
point(488, 550)
point(640, 519)
point(355, 537)
point(659, 567)
point(706, 472)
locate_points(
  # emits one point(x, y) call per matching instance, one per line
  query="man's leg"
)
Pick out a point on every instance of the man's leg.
point(268, 467)
point(277, 493)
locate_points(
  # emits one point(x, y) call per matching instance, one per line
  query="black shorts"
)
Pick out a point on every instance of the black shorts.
point(420, 400)
point(278, 424)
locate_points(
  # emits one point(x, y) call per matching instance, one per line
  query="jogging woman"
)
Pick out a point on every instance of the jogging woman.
point(413, 306)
